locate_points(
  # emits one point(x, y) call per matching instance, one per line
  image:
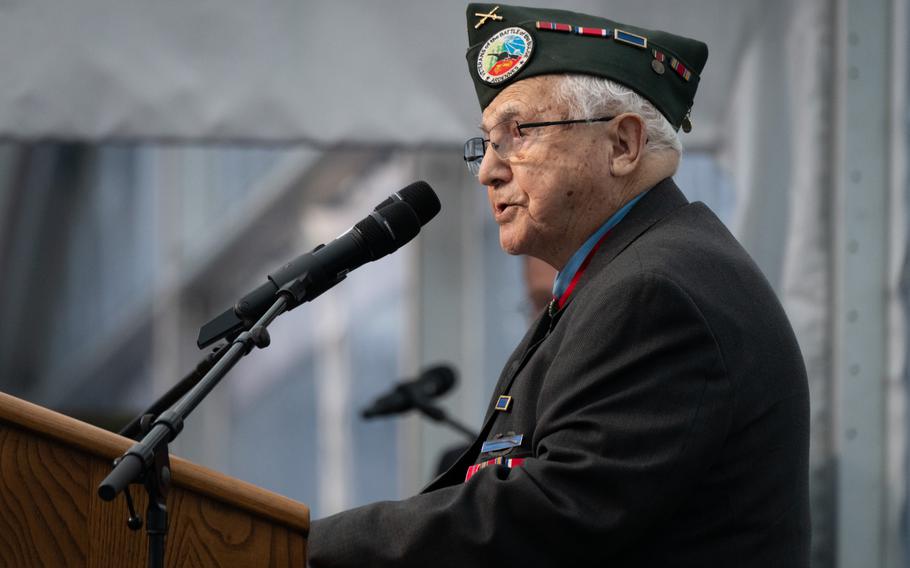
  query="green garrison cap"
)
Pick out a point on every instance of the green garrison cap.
point(510, 43)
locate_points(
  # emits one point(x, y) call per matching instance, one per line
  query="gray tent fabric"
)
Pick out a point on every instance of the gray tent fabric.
point(806, 279)
point(282, 70)
point(780, 115)
point(779, 137)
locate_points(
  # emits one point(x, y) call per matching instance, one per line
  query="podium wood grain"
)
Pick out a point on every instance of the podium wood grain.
point(50, 514)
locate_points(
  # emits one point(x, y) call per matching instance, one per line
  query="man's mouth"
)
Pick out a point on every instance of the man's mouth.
point(505, 212)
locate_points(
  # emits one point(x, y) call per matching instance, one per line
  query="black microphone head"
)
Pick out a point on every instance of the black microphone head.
point(389, 228)
point(437, 380)
point(376, 237)
point(420, 196)
point(401, 220)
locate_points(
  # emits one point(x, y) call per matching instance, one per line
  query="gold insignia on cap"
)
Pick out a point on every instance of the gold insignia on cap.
point(484, 17)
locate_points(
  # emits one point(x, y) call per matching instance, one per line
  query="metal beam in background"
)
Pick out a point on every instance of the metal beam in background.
point(897, 537)
point(861, 228)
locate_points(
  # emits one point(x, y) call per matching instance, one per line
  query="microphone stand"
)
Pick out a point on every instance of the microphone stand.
point(430, 410)
point(135, 426)
point(148, 462)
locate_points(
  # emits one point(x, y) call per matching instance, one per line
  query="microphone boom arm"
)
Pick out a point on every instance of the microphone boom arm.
point(437, 414)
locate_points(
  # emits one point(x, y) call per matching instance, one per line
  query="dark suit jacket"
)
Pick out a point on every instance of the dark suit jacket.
point(665, 419)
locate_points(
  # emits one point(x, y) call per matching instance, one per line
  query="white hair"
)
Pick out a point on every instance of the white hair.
point(588, 96)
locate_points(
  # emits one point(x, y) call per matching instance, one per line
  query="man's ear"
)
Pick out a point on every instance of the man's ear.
point(628, 137)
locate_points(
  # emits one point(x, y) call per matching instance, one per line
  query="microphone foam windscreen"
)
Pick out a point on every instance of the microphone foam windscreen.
point(422, 198)
point(389, 228)
point(376, 236)
point(402, 220)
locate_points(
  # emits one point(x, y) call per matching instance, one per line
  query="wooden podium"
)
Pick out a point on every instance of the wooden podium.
point(51, 515)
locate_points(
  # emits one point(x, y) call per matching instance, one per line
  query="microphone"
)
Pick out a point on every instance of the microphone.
point(419, 196)
point(422, 205)
point(380, 233)
point(431, 383)
point(392, 224)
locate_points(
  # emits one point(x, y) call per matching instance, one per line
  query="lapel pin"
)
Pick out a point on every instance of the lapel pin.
point(504, 443)
point(503, 403)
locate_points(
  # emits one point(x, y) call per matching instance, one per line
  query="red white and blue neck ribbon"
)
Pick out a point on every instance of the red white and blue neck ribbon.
point(571, 273)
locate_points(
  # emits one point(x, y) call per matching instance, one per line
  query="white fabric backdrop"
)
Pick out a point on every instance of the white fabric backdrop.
point(777, 141)
point(779, 144)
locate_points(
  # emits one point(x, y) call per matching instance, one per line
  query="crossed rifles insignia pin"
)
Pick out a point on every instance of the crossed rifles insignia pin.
point(484, 17)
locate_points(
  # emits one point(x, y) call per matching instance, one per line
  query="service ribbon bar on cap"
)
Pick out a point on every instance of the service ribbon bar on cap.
point(616, 34)
point(629, 38)
point(675, 64)
point(579, 30)
point(680, 69)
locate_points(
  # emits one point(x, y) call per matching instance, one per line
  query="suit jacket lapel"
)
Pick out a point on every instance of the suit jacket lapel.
point(534, 335)
point(527, 345)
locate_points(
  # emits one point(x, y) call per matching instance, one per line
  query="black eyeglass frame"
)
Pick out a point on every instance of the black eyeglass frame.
point(474, 160)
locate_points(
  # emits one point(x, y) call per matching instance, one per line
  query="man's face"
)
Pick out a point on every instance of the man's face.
point(552, 192)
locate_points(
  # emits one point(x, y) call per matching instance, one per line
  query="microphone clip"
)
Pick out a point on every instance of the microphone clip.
point(305, 288)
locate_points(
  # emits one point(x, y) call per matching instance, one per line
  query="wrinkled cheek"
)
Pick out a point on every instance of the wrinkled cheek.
point(547, 210)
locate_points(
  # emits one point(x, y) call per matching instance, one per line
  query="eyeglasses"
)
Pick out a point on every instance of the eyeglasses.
point(506, 137)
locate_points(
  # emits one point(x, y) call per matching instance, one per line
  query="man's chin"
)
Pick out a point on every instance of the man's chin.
point(511, 246)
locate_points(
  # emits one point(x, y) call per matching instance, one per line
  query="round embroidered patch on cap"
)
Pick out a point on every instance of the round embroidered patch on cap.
point(503, 55)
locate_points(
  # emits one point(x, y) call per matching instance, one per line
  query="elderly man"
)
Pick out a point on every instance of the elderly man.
point(656, 414)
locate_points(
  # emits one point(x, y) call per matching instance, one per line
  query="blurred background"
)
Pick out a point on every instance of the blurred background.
point(157, 160)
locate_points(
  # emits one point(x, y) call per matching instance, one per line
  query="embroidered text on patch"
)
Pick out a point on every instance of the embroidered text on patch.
point(503, 55)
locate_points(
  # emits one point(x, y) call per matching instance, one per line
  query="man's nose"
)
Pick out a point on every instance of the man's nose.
point(494, 171)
